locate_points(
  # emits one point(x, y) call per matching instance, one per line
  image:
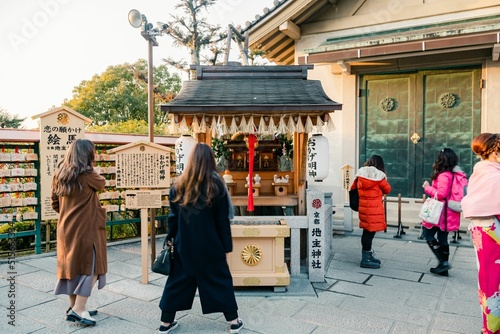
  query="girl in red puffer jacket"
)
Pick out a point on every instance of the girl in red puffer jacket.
point(372, 184)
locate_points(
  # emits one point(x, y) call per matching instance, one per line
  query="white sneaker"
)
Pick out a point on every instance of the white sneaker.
point(169, 328)
point(236, 328)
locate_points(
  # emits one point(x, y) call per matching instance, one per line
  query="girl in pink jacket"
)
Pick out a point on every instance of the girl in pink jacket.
point(442, 177)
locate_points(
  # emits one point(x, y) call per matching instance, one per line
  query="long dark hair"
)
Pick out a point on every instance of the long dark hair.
point(79, 159)
point(377, 162)
point(486, 144)
point(199, 183)
point(446, 160)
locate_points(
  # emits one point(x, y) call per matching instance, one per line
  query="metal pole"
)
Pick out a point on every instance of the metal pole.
point(151, 119)
point(151, 134)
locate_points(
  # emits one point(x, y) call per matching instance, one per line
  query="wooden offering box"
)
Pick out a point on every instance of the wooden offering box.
point(230, 187)
point(255, 189)
point(258, 257)
point(280, 189)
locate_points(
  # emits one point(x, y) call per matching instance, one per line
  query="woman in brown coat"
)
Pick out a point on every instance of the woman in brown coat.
point(372, 184)
point(81, 229)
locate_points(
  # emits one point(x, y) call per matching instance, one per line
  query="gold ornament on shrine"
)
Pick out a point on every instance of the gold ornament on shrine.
point(251, 255)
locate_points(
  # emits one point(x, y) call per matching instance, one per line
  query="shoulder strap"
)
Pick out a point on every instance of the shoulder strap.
point(445, 207)
point(451, 186)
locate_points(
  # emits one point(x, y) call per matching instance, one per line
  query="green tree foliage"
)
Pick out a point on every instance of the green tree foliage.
point(131, 127)
point(192, 31)
point(9, 121)
point(119, 94)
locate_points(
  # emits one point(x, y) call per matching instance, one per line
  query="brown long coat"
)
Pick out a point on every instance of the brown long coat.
point(81, 226)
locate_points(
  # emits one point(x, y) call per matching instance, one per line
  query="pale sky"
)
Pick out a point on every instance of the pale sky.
point(47, 47)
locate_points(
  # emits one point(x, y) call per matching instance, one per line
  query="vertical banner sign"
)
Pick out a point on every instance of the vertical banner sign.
point(317, 241)
point(58, 129)
point(346, 180)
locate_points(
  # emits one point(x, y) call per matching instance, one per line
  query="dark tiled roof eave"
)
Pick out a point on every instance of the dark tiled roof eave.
point(251, 95)
point(255, 109)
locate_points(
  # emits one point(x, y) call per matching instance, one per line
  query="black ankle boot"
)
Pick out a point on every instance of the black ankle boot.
point(445, 255)
point(373, 259)
point(441, 269)
point(366, 261)
point(442, 253)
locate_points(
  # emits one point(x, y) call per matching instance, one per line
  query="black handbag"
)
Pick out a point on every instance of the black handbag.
point(354, 199)
point(163, 262)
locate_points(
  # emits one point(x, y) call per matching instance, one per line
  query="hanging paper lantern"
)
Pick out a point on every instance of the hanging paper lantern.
point(318, 157)
point(183, 147)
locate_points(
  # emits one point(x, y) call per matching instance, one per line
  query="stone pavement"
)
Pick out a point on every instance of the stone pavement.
point(401, 297)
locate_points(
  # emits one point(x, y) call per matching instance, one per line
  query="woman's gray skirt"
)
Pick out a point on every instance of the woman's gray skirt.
point(80, 285)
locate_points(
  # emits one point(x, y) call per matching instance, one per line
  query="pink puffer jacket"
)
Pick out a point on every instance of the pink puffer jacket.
point(442, 186)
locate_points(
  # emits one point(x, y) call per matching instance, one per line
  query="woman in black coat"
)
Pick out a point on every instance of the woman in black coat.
point(199, 224)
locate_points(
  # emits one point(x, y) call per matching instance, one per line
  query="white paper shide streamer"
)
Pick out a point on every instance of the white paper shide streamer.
point(228, 124)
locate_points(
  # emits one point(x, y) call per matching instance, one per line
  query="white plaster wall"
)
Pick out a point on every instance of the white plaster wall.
point(342, 141)
point(490, 115)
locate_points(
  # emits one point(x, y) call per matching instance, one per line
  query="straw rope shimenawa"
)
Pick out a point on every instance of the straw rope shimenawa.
point(239, 134)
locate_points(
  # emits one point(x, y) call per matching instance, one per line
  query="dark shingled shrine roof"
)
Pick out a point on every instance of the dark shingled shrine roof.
point(254, 89)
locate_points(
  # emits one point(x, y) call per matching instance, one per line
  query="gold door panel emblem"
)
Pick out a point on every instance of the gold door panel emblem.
point(415, 138)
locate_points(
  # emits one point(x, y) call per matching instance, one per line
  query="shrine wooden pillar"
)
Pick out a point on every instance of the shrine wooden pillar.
point(300, 169)
point(204, 138)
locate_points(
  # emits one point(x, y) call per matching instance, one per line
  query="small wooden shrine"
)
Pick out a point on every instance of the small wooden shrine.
point(236, 103)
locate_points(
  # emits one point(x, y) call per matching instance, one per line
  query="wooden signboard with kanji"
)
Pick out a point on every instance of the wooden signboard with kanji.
point(142, 165)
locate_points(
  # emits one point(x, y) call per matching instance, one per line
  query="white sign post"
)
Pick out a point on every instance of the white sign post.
point(143, 200)
point(143, 165)
point(317, 240)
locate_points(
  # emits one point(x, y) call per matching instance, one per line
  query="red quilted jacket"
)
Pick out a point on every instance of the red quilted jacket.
point(372, 185)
